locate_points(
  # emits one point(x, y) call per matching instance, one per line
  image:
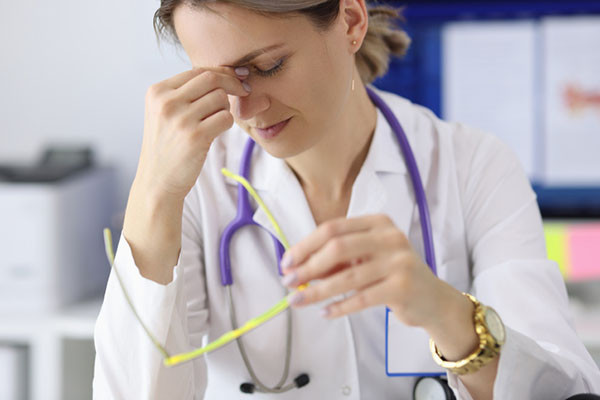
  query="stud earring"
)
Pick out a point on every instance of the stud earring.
point(354, 42)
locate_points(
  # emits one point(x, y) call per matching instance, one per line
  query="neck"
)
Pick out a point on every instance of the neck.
point(329, 168)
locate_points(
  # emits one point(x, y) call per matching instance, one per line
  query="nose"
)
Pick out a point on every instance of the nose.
point(247, 107)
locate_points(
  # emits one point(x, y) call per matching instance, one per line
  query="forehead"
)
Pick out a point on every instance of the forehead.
point(224, 33)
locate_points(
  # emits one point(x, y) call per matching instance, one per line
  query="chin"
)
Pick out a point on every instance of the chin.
point(279, 150)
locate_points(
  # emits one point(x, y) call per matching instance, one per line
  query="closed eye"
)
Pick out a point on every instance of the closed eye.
point(270, 72)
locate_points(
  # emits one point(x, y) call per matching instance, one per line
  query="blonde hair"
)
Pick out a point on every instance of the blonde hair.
point(383, 39)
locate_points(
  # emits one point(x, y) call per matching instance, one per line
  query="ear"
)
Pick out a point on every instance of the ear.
point(356, 21)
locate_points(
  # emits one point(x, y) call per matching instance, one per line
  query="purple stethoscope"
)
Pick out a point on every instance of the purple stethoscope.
point(244, 218)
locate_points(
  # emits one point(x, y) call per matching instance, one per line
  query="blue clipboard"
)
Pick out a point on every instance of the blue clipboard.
point(407, 350)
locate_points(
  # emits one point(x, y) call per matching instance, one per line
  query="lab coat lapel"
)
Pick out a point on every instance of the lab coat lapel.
point(383, 186)
point(368, 193)
point(287, 203)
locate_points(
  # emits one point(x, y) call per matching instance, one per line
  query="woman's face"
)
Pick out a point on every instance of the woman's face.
point(303, 76)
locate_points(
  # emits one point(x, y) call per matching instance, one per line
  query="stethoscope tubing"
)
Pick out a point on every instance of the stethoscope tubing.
point(244, 217)
point(279, 387)
point(413, 169)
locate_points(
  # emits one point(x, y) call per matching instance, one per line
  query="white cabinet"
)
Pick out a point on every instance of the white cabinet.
point(59, 350)
point(13, 372)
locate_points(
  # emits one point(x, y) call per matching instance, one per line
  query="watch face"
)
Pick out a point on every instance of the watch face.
point(495, 325)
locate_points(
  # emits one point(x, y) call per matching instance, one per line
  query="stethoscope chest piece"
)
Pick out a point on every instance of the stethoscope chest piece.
point(432, 388)
point(300, 381)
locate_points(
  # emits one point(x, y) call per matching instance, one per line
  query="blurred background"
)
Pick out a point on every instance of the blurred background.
point(74, 75)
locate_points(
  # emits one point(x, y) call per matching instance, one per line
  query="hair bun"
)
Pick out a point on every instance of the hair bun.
point(383, 39)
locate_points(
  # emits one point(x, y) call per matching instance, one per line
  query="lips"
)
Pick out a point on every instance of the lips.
point(270, 132)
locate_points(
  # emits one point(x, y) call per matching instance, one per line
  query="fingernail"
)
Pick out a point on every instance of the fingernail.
point(324, 312)
point(289, 279)
point(242, 71)
point(286, 261)
point(295, 298)
point(247, 87)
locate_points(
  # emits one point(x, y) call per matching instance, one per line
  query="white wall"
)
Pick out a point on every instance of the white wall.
point(75, 71)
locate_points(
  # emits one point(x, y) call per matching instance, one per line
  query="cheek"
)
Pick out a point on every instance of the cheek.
point(292, 91)
point(330, 73)
point(312, 89)
point(327, 82)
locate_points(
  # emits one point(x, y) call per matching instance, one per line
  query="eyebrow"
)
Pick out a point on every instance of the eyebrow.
point(251, 56)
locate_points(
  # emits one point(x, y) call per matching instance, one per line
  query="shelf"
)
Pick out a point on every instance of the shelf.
point(419, 75)
point(587, 323)
point(77, 322)
point(449, 10)
point(49, 339)
point(575, 202)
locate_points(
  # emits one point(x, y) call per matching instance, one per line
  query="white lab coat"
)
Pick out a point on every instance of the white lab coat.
point(488, 239)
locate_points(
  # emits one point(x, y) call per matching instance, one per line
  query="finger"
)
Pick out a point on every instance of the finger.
point(367, 297)
point(218, 122)
point(340, 267)
point(204, 107)
point(351, 278)
point(300, 252)
point(338, 250)
point(176, 81)
point(208, 81)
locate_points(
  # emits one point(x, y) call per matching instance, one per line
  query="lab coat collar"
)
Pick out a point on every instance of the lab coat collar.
point(276, 184)
point(385, 154)
point(274, 179)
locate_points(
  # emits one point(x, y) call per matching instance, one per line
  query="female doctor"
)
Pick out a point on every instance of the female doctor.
point(291, 75)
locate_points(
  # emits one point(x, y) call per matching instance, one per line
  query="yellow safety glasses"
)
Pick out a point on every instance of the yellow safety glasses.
point(282, 305)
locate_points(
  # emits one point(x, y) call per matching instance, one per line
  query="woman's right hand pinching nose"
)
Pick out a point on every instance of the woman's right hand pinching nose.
point(183, 115)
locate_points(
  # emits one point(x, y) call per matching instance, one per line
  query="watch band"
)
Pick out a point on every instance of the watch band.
point(487, 350)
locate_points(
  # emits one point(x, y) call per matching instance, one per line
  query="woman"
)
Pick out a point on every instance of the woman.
point(291, 75)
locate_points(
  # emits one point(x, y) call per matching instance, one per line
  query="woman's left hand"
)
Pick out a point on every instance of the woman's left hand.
point(370, 259)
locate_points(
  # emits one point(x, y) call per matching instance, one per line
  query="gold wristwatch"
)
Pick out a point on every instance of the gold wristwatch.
point(489, 328)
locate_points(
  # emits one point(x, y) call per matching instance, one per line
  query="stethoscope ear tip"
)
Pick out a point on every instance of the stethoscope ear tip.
point(247, 388)
point(301, 380)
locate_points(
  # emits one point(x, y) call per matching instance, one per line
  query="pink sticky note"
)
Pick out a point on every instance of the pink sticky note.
point(584, 246)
